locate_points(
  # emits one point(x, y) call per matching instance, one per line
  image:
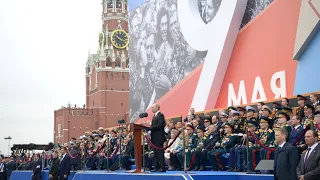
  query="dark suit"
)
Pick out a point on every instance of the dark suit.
point(311, 170)
point(11, 166)
point(158, 138)
point(286, 161)
point(209, 145)
point(3, 175)
point(36, 170)
point(64, 167)
point(127, 155)
point(54, 169)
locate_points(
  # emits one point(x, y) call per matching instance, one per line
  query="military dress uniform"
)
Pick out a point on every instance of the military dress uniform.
point(226, 143)
point(266, 137)
point(201, 142)
point(307, 121)
point(209, 144)
point(282, 114)
point(238, 129)
point(300, 109)
point(242, 160)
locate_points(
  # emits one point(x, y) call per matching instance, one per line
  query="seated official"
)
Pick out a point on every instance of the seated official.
point(191, 140)
point(200, 145)
point(128, 153)
point(239, 161)
point(222, 147)
point(212, 138)
point(169, 150)
point(174, 162)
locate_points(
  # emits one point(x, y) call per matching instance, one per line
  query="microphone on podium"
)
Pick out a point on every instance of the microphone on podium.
point(143, 115)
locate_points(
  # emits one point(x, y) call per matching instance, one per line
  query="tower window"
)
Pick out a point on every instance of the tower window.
point(118, 4)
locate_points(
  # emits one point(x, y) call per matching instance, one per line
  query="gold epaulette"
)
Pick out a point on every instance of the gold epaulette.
point(260, 130)
point(270, 130)
point(204, 138)
point(231, 134)
point(257, 132)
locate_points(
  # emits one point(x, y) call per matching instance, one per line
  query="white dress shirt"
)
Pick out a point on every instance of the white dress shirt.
point(281, 145)
point(311, 149)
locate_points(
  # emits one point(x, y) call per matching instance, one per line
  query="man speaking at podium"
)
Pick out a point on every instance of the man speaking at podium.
point(158, 137)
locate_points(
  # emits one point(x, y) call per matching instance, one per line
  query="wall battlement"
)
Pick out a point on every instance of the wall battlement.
point(75, 112)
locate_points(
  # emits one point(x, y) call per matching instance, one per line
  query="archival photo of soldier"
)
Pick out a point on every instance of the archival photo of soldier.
point(159, 55)
point(208, 9)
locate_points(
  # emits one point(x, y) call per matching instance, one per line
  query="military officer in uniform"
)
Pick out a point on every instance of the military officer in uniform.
point(250, 114)
point(242, 112)
point(308, 113)
point(317, 123)
point(282, 120)
point(241, 161)
point(276, 107)
point(238, 132)
point(238, 123)
point(191, 142)
point(267, 112)
point(212, 138)
point(301, 103)
point(265, 136)
point(230, 108)
point(222, 148)
point(201, 140)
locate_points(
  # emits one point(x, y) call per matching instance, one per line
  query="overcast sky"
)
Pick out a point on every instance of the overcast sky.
point(43, 50)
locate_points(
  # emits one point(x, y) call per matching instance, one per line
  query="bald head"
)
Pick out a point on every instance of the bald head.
point(155, 108)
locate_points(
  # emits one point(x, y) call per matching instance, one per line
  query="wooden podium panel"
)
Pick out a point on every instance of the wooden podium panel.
point(137, 132)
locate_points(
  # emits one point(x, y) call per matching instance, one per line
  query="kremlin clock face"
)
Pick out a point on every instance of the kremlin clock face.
point(119, 39)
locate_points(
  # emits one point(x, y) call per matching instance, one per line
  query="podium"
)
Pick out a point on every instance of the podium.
point(137, 132)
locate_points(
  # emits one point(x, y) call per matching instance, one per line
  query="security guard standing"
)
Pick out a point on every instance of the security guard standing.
point(222, 148)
